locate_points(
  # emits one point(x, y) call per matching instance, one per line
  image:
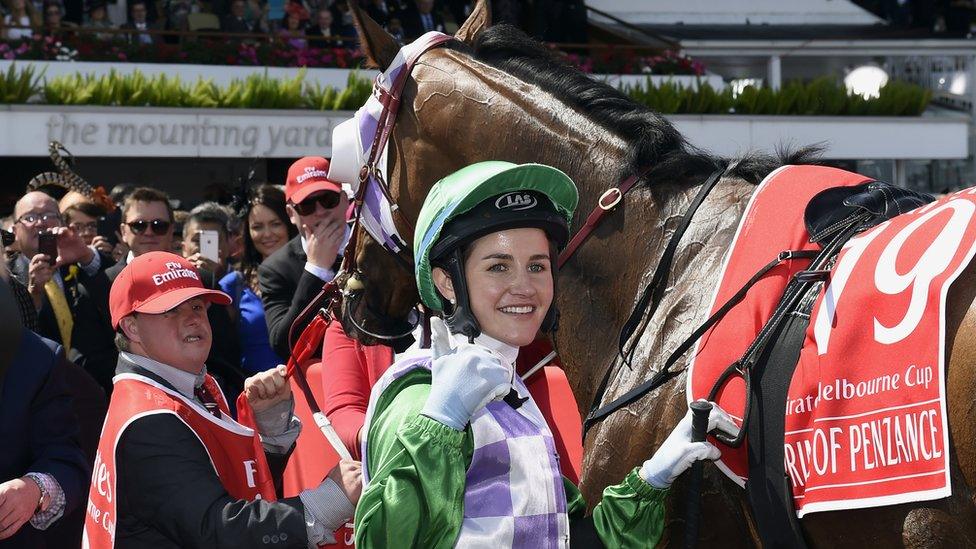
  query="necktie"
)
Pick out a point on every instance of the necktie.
point(62, 313)
point(428, 23)
point(208, 401)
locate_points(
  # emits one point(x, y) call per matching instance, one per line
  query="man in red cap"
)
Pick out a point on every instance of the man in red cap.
point(173, 468)
point(291, 277)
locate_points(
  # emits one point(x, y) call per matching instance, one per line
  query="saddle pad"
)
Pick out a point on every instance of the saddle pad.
point(866, 413)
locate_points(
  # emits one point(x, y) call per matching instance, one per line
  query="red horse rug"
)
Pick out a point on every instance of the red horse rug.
point(866, 410)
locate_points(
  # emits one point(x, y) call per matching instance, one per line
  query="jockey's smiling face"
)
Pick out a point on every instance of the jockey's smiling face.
point(509, 276)
point(179, 337)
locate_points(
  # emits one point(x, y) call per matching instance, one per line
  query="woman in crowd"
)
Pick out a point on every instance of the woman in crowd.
point(266, 228)
point(455, 449)
point(293, 26)
point(20, 13)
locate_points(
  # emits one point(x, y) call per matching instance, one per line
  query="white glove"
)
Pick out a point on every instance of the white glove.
point(464, 379)
point(678, 452)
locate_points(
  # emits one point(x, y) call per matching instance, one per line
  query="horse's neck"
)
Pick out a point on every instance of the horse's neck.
point(611, 272)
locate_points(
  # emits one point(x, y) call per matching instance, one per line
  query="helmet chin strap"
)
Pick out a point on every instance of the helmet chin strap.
point(459, 316)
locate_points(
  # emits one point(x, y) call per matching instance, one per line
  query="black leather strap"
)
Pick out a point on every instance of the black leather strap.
point(650, 298)
point(665, 374)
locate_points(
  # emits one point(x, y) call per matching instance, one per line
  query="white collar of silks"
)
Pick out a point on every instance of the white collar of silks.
point(507, 352)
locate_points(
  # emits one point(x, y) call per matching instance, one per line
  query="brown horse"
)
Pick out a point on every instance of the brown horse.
point(495, 94)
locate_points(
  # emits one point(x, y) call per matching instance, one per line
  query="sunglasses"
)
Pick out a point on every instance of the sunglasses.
point(328, 200)
point(158, 226)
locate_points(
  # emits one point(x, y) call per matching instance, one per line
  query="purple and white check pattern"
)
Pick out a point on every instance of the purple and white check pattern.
point(377, 216)
point(514, 495)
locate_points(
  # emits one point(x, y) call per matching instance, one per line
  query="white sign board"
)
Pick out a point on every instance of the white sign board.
point(172, 133)
point(227, 133)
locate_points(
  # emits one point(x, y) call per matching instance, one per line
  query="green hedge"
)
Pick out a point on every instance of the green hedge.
point(821, 97)
point(257, 91)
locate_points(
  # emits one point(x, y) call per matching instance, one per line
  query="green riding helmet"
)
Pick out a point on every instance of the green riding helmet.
point(480, 199)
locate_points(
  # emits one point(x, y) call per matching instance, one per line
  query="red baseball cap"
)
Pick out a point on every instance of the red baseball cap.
point(308, 175)
point(156, 282)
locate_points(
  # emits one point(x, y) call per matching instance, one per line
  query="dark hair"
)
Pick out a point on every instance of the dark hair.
point(209, 212)
point(273, 198)
point(122, 190)
point(88, 208)
point(146, 194)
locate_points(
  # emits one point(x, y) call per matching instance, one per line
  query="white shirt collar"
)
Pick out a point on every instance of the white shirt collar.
point(183, 381)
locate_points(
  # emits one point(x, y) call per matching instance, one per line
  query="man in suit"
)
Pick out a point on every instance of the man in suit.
point(70, 291)
point(422, 19)
point(292, 276)
point(139, 23)
point(147, 225)
point(235, 21)
point(43, 472)
point(325, 33)
point(224, 361)
point(173, 469)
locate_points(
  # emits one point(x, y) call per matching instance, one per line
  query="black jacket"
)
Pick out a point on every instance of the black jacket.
point(413, 25)
point(286, 288)
point(170, 496)
point(39, 429)
point(92, 335)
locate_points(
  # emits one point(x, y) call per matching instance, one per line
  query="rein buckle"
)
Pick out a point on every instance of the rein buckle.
point(614, 194)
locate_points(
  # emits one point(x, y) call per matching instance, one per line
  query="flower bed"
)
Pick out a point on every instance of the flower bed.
point(277, 52)
point(627, 61)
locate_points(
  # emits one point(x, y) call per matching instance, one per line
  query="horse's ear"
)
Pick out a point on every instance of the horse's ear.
point(379, 46)
point(479, 20)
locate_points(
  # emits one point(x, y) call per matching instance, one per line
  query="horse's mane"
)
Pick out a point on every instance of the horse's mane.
point(654, 140)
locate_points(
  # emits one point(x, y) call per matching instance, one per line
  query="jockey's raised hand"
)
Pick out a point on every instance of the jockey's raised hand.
point(678, 452)
point(465, 377)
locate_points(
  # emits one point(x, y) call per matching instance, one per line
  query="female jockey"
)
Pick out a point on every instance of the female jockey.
point(455, 450)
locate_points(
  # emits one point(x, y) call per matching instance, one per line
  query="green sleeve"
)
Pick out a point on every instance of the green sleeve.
point(631, 514)
point(417, 471)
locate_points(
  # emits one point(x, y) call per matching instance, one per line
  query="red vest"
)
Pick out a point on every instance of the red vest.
point(234, 450)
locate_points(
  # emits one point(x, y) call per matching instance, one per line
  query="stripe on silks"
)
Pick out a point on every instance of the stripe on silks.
point(377, 212)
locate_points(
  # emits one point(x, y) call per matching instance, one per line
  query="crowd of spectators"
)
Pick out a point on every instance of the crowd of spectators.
point(269, 249)
point(299, 22)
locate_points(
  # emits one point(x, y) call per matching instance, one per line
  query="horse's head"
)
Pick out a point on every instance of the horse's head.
point(380, 295)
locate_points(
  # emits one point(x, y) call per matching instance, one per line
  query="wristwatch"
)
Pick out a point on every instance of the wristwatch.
point(45, 500)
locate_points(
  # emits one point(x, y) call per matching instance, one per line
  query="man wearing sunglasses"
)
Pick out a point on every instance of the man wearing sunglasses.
point(292, 276)
point(147, 225)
